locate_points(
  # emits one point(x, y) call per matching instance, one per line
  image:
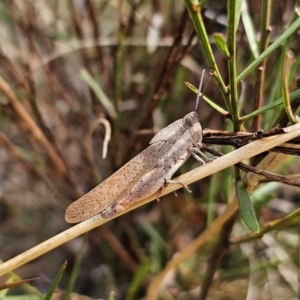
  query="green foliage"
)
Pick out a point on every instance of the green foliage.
point(246, 208)
point(221, 44)
point(55, 282)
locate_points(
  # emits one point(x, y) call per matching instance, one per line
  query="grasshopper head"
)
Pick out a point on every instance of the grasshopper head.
point(191, 121)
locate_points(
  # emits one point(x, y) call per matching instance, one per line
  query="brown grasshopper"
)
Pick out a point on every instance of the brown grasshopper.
point(146, 173)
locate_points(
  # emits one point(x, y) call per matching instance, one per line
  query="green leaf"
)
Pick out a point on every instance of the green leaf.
point(293, 96)
point(238, 12)
point(270, 49)
point(96, 87)
point(211, 103)
point(55, 282)
point(139, 277)
point(221, 44)
point(246, 208)
point(249, 29)
point(75, 270)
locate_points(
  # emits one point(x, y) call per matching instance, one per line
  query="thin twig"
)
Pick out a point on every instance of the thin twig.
point(269, 175)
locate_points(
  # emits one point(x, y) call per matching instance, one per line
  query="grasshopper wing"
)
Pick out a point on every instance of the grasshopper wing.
point(116, 186)
point(167, 132)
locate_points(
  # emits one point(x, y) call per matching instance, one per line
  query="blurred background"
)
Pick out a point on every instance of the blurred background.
point(73, 71)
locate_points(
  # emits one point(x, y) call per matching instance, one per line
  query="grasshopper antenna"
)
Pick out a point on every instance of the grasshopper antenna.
point(199, 91)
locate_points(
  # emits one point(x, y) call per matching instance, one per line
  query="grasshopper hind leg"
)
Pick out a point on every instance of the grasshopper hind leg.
point(179, 182)
point(113, 209)
point(145, 186)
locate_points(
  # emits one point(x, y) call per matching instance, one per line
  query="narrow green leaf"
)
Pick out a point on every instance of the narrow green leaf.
point(294, 95)
point(270, 49)
point(249, 29)
point(246, 208)
point(211, 103)
point(75, 270)
point(137, 280)
point(221, 44)
point(55, 282)
point(96, 87)
point(238, 13)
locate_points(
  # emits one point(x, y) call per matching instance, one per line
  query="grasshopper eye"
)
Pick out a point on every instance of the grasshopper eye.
point(190, 119)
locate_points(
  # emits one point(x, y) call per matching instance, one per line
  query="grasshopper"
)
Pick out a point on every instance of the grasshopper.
point(146, 173)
